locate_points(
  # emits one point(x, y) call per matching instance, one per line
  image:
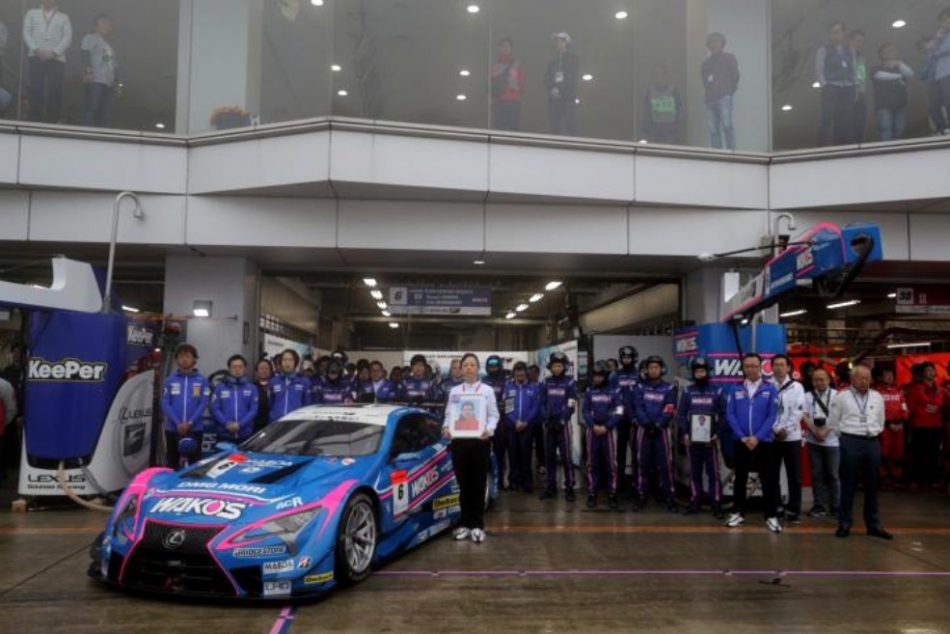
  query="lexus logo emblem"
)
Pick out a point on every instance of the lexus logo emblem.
point(174, 539)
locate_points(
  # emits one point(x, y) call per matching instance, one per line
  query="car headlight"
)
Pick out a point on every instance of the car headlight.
point(126, 517)
point(286, 528)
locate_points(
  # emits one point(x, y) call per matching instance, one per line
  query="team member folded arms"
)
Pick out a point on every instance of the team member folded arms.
point(234, 403)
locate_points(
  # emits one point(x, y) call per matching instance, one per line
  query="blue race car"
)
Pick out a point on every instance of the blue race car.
point(316, 499)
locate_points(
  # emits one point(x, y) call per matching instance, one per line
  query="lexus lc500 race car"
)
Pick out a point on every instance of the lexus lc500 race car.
point(316, 499)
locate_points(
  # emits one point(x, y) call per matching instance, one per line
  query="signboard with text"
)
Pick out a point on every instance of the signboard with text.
point(925, 300)
point(419, 300)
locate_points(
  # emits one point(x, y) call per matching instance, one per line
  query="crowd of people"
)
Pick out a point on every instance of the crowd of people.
point(628, 407)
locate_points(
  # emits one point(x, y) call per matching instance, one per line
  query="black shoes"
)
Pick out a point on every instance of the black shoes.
point(717, 512)
point(549, 493)
point(612, 501)
point(880, 533)
point(793, 519)
point(842, 532)
point(671, 506)
point(591, 501)
point(692, 509)
point(568, 495)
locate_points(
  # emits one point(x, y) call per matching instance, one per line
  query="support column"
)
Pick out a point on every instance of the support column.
point(220, 53)
point(232, 284)
point(703, 294)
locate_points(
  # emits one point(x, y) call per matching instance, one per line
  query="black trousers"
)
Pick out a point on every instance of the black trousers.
point(471, 459)
point(46, 89)
point(172, 457)
point(500, 444)
point(623, 445)
point(925, 454)
point(860, 462)
point(789, 453)
point(759, 460)
point(837, 115)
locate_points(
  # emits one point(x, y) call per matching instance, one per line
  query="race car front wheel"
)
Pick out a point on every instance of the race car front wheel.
point(356, 540)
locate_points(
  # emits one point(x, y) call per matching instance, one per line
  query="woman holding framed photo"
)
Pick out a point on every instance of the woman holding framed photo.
point(470, 420)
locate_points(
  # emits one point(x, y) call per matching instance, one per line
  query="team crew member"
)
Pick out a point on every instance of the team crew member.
point(602, 410)
point(751, 411)
point(625, 380)
point(656, 404)
point(335, 388)
point(857, 415)
point(454, 378)
point(787, 432)
point(420, 388)
point(288, 390)
point(264, 372)
point(184, 400)
point(495, 379)
point(234, 403)
point(895, 414)
point(378, 389)
point(701, 405)
point(471, 457)
point(925, 400)
point(522, 417)
point(534, 376)
point(559, 398)
point(824, 454)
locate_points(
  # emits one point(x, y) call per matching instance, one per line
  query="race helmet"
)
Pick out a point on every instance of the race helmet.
point(655, 358)
point(630, 352)
point(600, 368)
point(557, 357)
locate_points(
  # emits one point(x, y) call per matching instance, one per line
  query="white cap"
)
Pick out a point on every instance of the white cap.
point(562, 36)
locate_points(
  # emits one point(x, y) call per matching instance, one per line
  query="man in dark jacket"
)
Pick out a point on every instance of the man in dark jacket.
point(560, 80)
point(662, 110)
point(720, 74)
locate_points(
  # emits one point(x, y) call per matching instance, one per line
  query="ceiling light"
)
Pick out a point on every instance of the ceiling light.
point(202, 308)
point(382, 305)
point(473, 8)
point(521, 308)
point(643, 141)
point(336, 68)
point(393, 325)
point(852, 302)
point(577, 99)
point(817, 84)
point(377, 294)
point(922, 344)
point(511, 315)
point(386, 313)
point(537, 297)
point(342, 93)
point(370, 281)
point(129, 309)
point(794, 313)
point(464, 73)
point(160, 126)
point(587, 77)
point(479, 262)
point(621, 15)
point(899, 24)
point(787, 107)
point(461, 97)
point(892, 296)
point(316, 3)
point(553, 286)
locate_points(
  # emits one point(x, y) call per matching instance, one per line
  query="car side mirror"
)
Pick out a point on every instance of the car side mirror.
point(225, 446)
point(409, 456)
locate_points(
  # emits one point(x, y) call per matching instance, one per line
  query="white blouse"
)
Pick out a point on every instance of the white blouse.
point(475, 388)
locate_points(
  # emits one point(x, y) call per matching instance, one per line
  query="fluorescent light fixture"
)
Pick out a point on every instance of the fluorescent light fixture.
point(342, 93)
point(896, 346)
point(370, 281)
point(521, 308)
point(577, 99)
point(892, 295)
point(202, 308)
point(479, 262)
point(643, 141)
point(817, 84)
point(382, 305)
point(464, 73)
point(537, 297)
point(130, 309)
point(160, 126)
point(621, 15)
point(377, 294)
point(787, 108)
point(336, 68)
point(707, 257)
point(386, 313)
point(316, 3)
point(393, 325)
point(461, 97)
point(899, 24)
point(553, 286)
point(852, 302)
point(511, 315)
point(473, 8)
point(794, 313)
point(587, 77)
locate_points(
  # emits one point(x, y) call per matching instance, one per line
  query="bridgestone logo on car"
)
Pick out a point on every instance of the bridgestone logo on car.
point(66, 370)
point(198, 506)
point(266, 551)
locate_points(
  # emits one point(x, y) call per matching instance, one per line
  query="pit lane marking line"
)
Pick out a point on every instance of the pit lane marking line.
point(284, 621)
point(915, 574)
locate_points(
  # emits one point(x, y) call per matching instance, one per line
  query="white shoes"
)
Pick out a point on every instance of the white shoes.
point(478, 536)
point(773, 525)
point(735, 520)
point(461, 534)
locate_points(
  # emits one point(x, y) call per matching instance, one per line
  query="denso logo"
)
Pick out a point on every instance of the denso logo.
point(687, 344)
point(67, 370)
point(420, 485)
point(198, 506)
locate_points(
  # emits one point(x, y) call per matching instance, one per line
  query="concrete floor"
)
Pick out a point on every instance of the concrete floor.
point(544, 568)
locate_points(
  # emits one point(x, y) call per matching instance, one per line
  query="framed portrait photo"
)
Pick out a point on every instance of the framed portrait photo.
point(700, 428)
point(469, 416)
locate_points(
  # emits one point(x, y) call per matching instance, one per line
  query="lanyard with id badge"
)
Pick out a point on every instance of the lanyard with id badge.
point(862, 407)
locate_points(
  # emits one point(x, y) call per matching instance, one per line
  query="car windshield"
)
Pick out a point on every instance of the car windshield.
point(336, 438)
